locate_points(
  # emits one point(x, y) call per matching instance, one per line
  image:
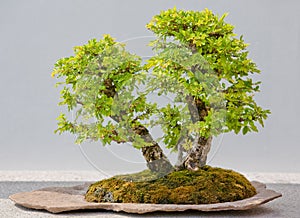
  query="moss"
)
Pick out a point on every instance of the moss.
point(205, 186)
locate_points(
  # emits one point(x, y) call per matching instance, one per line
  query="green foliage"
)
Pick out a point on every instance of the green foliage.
point(199, 60)
point(91, 79)
point(225, 58)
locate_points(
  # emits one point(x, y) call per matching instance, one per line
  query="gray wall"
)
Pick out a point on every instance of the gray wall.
point(35, 33)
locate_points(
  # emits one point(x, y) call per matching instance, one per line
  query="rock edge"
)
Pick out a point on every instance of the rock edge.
point(63, 199)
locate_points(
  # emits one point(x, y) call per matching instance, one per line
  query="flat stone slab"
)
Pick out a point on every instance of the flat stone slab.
point(62, 199)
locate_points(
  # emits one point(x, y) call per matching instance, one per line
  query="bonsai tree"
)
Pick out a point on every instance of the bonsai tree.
point(199, 60)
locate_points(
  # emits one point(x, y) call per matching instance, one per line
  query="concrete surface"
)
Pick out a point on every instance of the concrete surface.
point(287, 206)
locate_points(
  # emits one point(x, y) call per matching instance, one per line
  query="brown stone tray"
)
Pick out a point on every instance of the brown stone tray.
point(62, 199)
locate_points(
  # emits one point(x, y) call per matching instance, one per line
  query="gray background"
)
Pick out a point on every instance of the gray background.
point(35, 33)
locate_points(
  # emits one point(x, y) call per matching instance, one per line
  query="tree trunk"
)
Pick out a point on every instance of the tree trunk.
point(153, 154)
point(156, 160)
point(197, 156)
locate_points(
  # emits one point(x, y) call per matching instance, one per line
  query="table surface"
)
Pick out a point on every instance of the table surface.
point(286, 206)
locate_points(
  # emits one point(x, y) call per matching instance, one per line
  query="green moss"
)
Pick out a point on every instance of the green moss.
point(205, 186)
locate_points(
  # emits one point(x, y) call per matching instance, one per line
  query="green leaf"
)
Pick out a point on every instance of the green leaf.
point(245, 130)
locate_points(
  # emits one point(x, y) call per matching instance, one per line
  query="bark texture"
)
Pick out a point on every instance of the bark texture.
point(154, 156)
point(197, 156)
point(156, 160)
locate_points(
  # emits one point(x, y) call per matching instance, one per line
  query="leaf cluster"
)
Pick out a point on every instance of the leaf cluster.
point(226, 58)
point(199, 60)
point(92, 78)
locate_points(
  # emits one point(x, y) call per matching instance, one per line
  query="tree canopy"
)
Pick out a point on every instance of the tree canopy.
point(198, 60)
